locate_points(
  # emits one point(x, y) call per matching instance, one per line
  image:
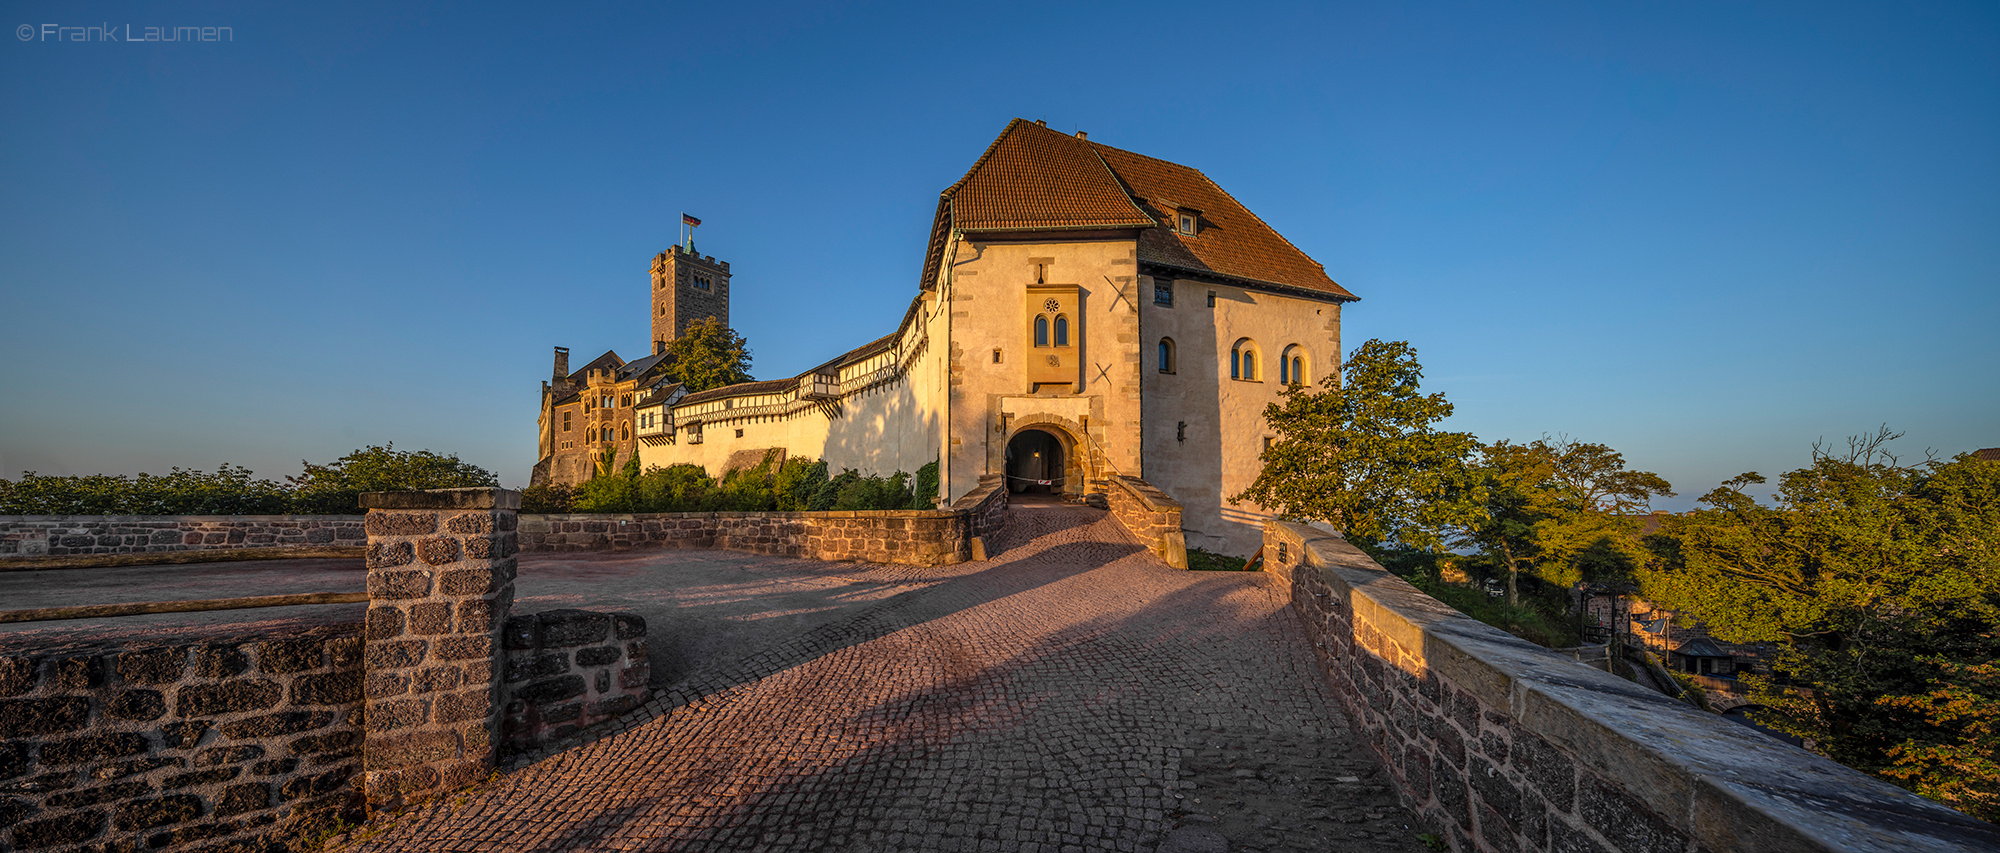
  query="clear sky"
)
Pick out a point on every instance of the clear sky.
point(1706, 234)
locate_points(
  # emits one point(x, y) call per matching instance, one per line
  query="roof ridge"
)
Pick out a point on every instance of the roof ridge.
point(983, 157)
point(1260, 221)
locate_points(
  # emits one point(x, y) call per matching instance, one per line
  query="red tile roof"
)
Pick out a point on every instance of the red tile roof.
point(1228, 240)
point(1033, 178)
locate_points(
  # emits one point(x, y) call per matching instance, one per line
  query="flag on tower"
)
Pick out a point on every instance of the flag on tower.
point(689, 220)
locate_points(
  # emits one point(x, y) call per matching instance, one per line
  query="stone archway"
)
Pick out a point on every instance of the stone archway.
point(1036, 462)
point(1068, 470)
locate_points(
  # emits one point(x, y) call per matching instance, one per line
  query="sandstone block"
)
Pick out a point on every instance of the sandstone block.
point(286, 656)
point(384, 555)
point(77, 750)
point(395, 654)
point(59, 831)
point(137, 705)
point(281, 723)
point(229, 697)
point(384, 623)
point(438, 551)
point(393, 585)
point(332, 688)
point(388, 523)
point(247, 797)
point(431, 617)
point(390, 752)
point(395, 714)
point(464, 648)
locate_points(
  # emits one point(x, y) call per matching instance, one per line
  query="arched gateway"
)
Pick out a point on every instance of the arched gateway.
point(1039, 461)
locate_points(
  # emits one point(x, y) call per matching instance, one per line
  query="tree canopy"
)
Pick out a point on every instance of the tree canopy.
point(708, 355)
point(1564, 510)
point(1880, 582)
point(1362, 452)
point(337, 486)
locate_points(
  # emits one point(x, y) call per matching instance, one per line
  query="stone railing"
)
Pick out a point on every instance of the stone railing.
point(567, 670)
point(915, 537)
point(985, 510)
point(1501, 745)
point(67, 535)
point(162, 746)
point(1152, 515)
point(252, 743)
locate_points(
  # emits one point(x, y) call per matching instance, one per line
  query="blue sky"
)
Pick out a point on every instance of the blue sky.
point(1706, 234)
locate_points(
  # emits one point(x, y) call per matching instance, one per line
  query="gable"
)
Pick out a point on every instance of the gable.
point(1035, 179)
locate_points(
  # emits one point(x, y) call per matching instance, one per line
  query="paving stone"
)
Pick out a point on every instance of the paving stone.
point(1070, 693)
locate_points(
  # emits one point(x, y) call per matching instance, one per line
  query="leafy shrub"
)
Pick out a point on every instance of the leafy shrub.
point(337, 486)
point(926, 492)
point(229, 490)
point(548, 498)
point(799, 481)
point(677, 488)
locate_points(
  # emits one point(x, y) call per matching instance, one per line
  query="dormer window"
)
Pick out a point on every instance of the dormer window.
point(1186, 219)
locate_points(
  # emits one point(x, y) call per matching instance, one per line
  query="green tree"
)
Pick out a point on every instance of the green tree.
point(708, 355)
point(1881, 584)
point(1564, 510)
point(1363, 453)
point(337, 486)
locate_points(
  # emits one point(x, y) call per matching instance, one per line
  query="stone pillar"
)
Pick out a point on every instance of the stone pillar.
point(440, 582)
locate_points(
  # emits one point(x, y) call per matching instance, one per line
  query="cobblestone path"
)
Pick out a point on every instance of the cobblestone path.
point(1070, 694)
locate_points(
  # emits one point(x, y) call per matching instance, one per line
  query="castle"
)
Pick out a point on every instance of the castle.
point(1084, 312)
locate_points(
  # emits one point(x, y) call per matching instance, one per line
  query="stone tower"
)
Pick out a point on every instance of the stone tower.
point(687, 286)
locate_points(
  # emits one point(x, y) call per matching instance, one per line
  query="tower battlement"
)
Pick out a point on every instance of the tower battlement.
point(687, 286)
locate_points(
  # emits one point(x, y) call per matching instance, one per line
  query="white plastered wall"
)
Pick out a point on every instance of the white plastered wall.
point(1218, 452)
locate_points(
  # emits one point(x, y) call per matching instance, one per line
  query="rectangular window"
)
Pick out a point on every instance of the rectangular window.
point(1211, 299)
point(1163, 294)
point(566, 421)
point(1187, 223)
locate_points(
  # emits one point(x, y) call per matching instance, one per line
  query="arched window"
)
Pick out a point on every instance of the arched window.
point(1166, 355)
point(1292, 366)
point(1243, 360)
point(1041, 330)
point(1062, 330)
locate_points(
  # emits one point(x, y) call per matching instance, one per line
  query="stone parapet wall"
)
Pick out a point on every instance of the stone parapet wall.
point(918, 537)
point(985, 507)
point(1151, 515)
point(1504, 746)
point(440, 581)
point(567, 670)
point(238, 743)
point(62, 535)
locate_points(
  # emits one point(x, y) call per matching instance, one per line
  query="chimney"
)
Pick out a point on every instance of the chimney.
point(1081, 135)
point(562, 365)
point(1041, 122)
